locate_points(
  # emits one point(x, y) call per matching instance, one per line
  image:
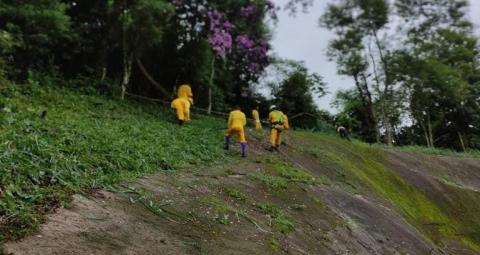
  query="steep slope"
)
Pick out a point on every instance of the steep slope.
point(319, 195)
point(438, 196)
point(56, 141)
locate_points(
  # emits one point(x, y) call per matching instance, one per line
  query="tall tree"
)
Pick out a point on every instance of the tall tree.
point(441, 77)
point(356, 24)
point(297, 91)
point(143, 23)
point(39, 27)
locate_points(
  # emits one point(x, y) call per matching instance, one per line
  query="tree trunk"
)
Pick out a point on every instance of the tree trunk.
point(366, 97)
point(425, 132)
point(430, 132)
point(460, 137)
point(427, 139)
point(210, 86)
point(389, 134)
point(104, 74)
point(150, 78)
point(127, 73)
point(127, 66)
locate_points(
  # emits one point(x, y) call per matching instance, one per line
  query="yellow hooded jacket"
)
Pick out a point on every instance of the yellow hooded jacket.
point(236, 123)
point(181, 105)
point(286, 124)
point(185, 91)
point(276, 119)
point(256, 117)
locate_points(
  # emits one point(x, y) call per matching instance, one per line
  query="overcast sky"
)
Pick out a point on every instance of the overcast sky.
point(300, 38)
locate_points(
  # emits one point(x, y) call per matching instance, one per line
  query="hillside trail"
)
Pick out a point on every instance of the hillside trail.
point(228, 208)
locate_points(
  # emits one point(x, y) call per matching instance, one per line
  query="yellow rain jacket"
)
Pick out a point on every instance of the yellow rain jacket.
point(286, 124)
point(277, 122)
point(181, 106)
point(187, 110)
point(256, 117)
point(185, 91)
point(236, 124)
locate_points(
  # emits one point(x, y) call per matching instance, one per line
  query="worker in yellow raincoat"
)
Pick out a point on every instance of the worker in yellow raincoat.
point(277, 125)
point(236, 127)
point(185, 91)
point(286, 126)
point(256, 118)
point(180, 105)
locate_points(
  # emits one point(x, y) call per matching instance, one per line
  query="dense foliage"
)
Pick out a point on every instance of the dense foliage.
point(414, 63)
point(144, 47)
point(295, 90)
point(422, 89)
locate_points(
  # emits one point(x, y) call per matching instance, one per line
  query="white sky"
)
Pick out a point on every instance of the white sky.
point(301, 38)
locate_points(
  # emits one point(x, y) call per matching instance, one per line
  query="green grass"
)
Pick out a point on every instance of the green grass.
point(281, 222)
point(295, 175)
point(85, 142)
point(365, 166)
point(235, 194)
point(280, 174)
point(433, 151)
point(271, 181)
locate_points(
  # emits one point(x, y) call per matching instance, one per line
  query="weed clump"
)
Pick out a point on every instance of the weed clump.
point(280, 221)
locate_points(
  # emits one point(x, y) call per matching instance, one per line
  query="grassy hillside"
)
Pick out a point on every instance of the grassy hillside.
point(85, 142)
point(318, 188)
point(442, 209)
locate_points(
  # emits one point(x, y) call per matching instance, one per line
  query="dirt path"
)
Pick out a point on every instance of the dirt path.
point(240, 207)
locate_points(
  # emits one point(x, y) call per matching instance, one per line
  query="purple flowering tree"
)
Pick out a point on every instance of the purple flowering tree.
point(233, 32)
point(220, 39)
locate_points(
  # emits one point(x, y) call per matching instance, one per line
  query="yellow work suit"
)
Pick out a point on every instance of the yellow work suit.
point(236, 125)
point(181, 106)
point(275, 118)
point(256, 118)
point(286, 124)
point(187, 110)
point(185, 91)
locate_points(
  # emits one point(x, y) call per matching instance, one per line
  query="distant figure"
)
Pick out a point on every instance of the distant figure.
point(343, 132)
point(236, 127)
point(185, 91)
point(286, 126)
point(180, 105)
point(256, 118)
point(277, 125)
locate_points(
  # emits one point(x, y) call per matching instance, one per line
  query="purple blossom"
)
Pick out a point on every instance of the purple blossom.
point(248, 11)
point(221, 42)
point(244, 42)
point(252, 55)
point(270, 5)
point(219, 37)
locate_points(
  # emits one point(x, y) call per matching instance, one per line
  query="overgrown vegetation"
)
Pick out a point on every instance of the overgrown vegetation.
point(56, 141)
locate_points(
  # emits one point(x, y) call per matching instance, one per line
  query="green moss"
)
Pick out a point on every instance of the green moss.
point(367, 166)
